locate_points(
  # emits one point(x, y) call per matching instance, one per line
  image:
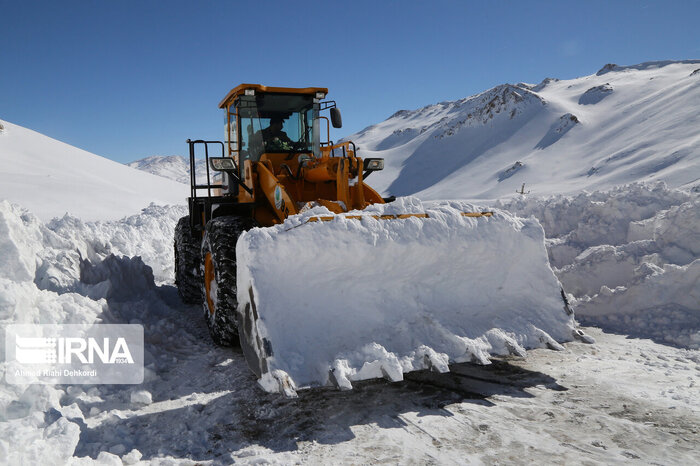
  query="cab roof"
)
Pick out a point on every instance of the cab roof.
point(241, 88)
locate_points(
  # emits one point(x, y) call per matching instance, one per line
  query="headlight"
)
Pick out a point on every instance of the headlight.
point(222, 164)
point(374, 164)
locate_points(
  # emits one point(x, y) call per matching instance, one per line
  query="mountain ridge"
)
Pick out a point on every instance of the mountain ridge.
point(632, 123)
point(621, 125)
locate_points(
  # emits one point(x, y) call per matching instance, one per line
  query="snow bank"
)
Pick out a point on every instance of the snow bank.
point(148, 235)
point(31, 441)
point(630, 256)
point(575, 223)
point(63, 272)
point(658, 302)
point(58, 272)
point(370, 298)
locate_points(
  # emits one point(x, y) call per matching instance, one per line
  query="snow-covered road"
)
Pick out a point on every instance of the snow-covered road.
point(619, 400)
point(622, 399)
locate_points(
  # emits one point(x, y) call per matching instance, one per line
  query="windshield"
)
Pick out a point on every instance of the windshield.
point(276, 123)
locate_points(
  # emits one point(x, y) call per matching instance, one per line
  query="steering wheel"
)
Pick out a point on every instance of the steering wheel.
point(296, 147)
point(300, 146)
point(276, 145)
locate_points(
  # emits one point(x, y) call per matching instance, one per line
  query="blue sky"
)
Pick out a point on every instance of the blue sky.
point(128, 79)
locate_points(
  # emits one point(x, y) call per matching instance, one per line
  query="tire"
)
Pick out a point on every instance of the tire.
point(187, 262)
point(218, 272)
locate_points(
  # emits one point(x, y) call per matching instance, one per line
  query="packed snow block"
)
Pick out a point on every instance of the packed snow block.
point(133, 457)
point(141, 397)
point(20, 241)
point(30, 441)
point(352, 299)
point(660, 302)
point(674, 231)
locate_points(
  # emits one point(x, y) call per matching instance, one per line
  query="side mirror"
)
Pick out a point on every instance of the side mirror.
point(336, 119)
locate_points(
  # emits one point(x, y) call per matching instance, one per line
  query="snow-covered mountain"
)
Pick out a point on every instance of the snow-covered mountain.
point(620, 125)
point(174, 167)
point(51, 178)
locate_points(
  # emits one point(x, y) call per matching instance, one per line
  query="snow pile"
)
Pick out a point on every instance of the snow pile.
point(27, 434)
point(148, 235)
point(51, 178)
point(370, 298)
point(53, 273)
point(141, 397)
point(65, 272)
point(574, 223)
point(631, 256)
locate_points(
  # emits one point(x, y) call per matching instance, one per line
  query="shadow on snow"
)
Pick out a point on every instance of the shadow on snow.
point(207, 404)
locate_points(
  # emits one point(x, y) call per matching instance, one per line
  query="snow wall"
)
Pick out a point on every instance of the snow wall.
point(64, 272)
point(630, 257)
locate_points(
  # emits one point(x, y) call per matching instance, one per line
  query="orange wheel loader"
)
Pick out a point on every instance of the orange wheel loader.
point(291, 254)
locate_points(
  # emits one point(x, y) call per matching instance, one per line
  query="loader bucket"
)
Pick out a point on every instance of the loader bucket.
point(330, 299)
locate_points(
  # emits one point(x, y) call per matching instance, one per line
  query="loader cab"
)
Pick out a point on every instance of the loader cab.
point(251, 113)
point(250, 110)
point(277, 159)
point(277, 123)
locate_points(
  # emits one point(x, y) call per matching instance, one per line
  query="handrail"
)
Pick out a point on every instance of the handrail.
point(328, 127)
point(344, 145)
point(193, 178)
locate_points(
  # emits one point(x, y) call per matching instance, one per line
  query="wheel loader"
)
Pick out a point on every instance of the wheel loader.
point(323, 281)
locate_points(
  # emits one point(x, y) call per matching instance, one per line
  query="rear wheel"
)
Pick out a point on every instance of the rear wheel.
point(187, 262)
point(218, 272)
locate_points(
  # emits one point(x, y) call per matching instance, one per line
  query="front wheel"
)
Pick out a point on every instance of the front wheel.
point(218, 272)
